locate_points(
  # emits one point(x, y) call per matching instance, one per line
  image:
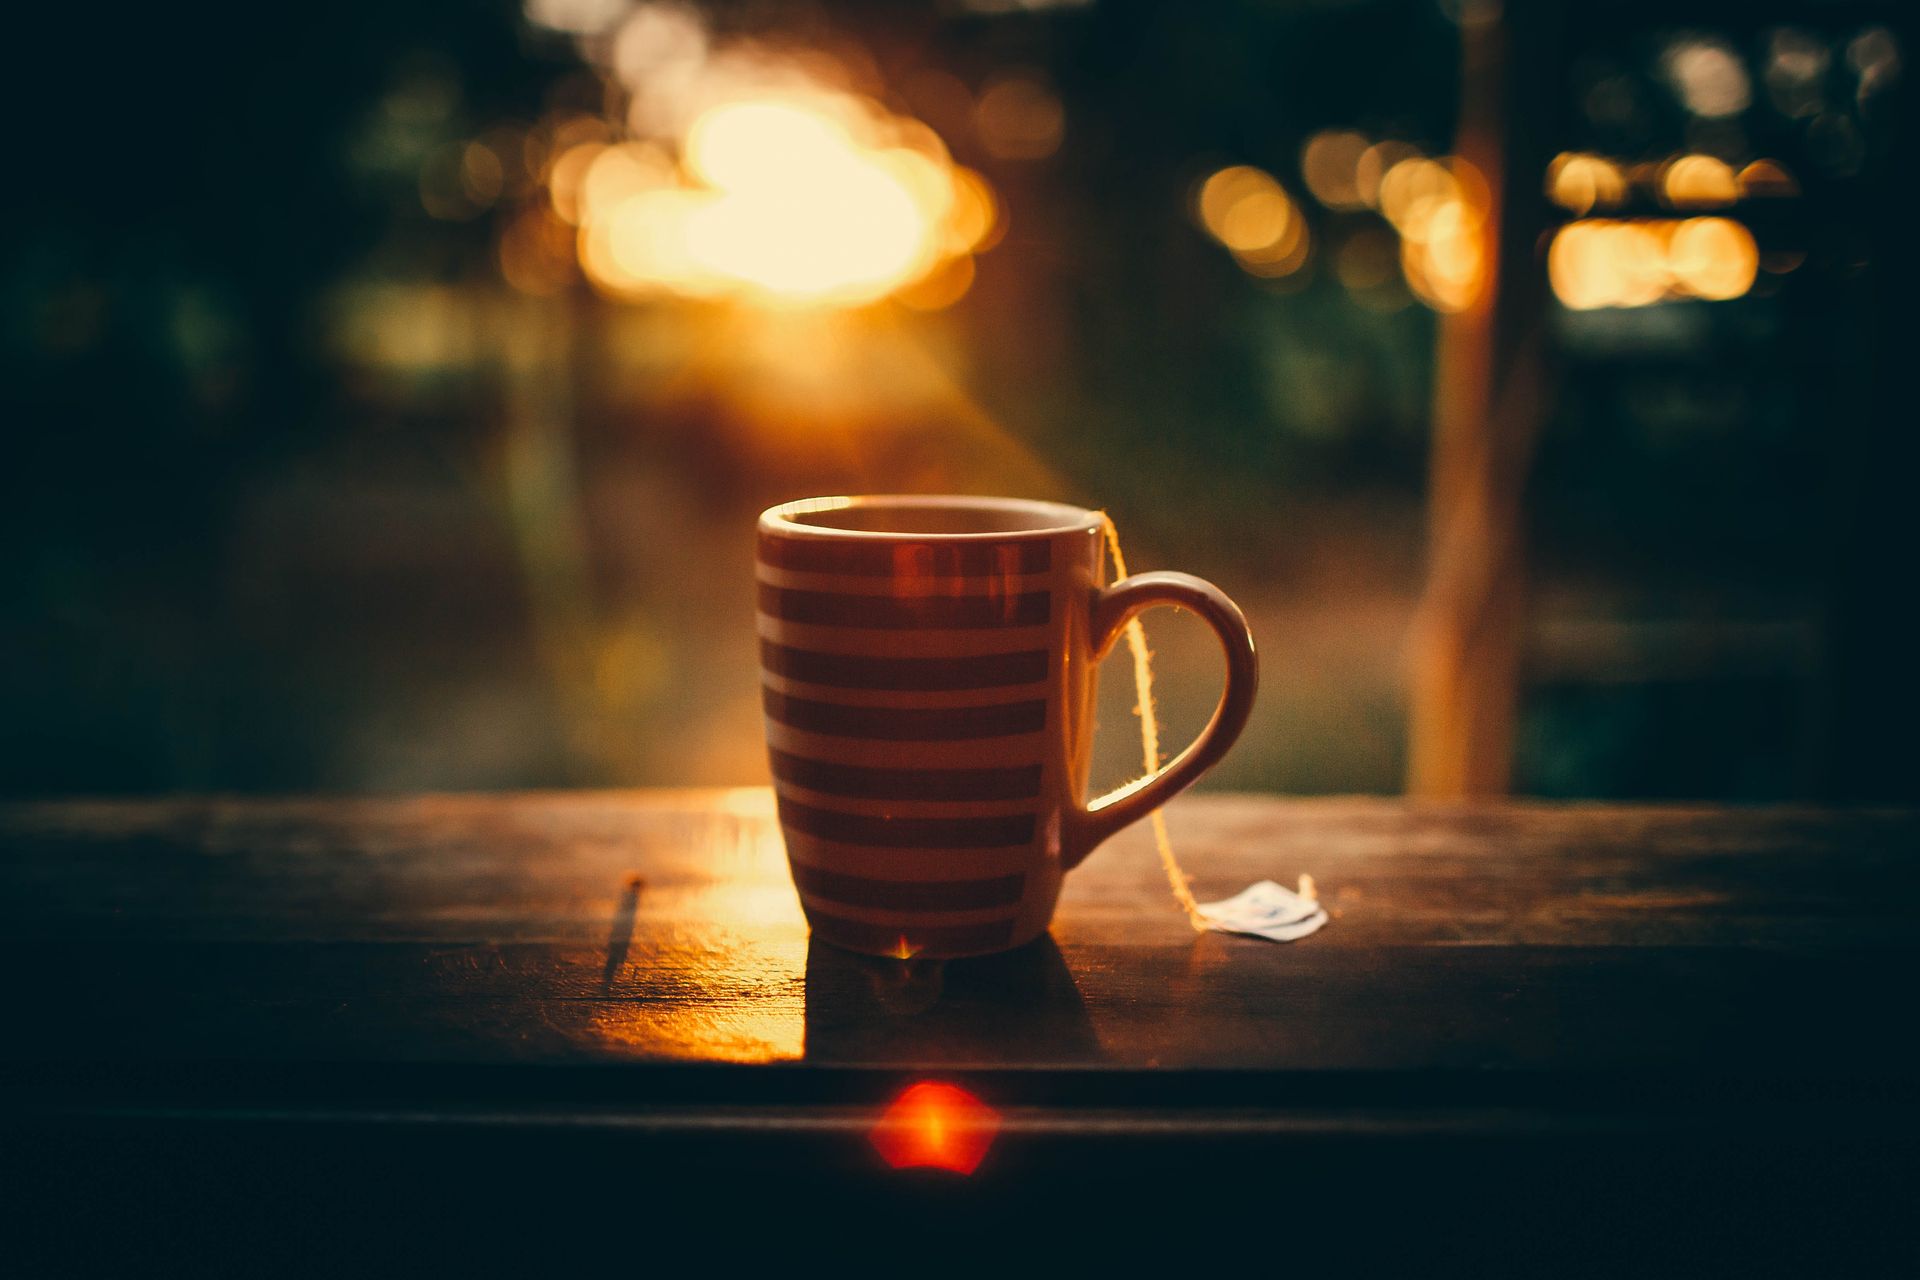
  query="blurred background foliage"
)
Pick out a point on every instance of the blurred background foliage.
point(337, 463)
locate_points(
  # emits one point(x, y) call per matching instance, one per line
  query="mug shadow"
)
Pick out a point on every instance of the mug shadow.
point(1021, 1007)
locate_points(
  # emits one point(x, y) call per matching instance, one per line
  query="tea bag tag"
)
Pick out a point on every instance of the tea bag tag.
point(1263, 910)
point(1267, 910)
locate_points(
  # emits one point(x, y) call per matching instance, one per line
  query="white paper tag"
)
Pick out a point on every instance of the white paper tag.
point(1268, 910)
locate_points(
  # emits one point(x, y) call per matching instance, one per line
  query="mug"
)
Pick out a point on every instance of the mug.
point(928, 667)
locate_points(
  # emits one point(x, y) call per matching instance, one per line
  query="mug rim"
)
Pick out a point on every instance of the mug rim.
point(1058, 517)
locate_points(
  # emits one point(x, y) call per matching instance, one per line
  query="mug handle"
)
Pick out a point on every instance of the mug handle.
point(1113, 608)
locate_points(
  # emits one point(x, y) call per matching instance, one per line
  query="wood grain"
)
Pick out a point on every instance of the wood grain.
point(662, 928)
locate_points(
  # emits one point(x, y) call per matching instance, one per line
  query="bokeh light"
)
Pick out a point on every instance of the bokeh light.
point(1374, 165)
point(1019, 117)
point(1439, 207)
point(1708, 77)
point(1699, 182)
point(1447, 264)
point(575, 17)
point(1581, 183)
point(1796, 67)
point(537, 252)
point(1874, 56)
point(1366, 260)
point(1330, 164)
point(1600, 262)
point(1767, 179)
point(568, 175)
point(1713, 258)
point(1248, 211)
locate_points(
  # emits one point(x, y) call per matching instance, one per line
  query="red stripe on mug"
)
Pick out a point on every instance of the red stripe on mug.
point(898, 724)
point(910, 895)
point(908, 833)
point(856, 782)
point(919, 675)
point(897, 613)
point(899, 559)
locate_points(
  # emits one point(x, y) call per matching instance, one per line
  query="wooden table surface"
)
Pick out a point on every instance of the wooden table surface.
point(637, 962)
point(661, 928)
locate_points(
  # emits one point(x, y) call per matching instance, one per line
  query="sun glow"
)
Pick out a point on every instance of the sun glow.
point(730, 169)
point(786, 200)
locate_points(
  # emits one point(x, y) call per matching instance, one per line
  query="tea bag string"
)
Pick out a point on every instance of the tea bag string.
point(1177, 879)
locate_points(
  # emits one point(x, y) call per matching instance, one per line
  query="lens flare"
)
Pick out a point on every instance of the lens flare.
point(936, 1126)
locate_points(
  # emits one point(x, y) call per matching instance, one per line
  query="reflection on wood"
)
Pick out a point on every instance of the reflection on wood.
point(479, 932)
point(1021, 1004)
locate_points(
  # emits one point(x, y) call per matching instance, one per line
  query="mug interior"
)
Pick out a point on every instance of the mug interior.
point(939, 517)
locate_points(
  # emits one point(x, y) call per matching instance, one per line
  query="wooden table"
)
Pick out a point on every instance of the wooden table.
point(1653, 1009)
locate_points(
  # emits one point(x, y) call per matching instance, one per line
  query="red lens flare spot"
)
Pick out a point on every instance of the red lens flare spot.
point(936, 1126)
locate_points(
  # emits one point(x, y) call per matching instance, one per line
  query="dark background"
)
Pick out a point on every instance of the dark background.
point(302, 494)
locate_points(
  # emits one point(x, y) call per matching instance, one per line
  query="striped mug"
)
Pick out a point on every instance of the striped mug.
point(928, 669)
